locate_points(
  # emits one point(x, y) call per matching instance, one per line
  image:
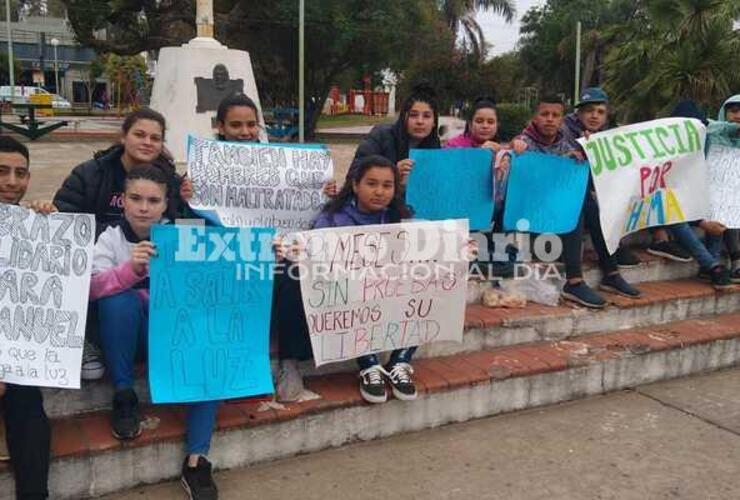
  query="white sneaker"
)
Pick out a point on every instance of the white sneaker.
point(93, 367)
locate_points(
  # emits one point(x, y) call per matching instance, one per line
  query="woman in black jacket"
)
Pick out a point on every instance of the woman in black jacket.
point(96, 186)
point(416, 127)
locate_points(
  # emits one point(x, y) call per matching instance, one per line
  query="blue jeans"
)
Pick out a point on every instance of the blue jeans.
point(397, 356)
point(124, 329)
point(687, 238)
point(731, 239)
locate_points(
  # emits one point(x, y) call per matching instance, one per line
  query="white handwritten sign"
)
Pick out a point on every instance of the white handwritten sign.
point(368, 289)
point(724, 184)
point(648, 174)
point(259, 185)
point(45, 264)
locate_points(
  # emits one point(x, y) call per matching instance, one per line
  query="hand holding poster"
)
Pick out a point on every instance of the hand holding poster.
point(45, 266)
point(369, 289)
point(545, 193)
point(209, 323)
point(648, 174)
point(435, 183)
point(724, 184)
point(258, 185)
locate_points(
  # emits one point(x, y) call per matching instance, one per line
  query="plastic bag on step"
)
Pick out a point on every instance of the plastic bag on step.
point(536, 287)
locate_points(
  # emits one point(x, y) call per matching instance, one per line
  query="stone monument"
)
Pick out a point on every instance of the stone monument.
point(192, 79)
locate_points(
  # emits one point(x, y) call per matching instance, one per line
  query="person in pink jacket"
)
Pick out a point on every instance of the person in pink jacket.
point(481, 131)
point(120, 285)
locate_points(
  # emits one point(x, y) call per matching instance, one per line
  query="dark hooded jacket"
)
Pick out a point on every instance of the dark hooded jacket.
point(392, 141)
point(92, 185)
point(536, 143)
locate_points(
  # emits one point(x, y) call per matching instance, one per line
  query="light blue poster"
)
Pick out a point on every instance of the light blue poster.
point(452, 184)
point(545, 193)
point(209, 313)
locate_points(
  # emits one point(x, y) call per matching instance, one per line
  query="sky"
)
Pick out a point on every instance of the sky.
point(501, 35)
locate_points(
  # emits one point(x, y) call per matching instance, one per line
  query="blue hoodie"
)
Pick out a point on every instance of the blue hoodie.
point(722, 132)
point(350, 215)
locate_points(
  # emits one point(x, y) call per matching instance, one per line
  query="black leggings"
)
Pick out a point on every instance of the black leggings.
point(28, 438)
point(289, 318)
point(573, 242)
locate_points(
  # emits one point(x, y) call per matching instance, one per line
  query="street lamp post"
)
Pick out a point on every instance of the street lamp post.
point(11, 69)
point(55, 43)
point(301, 71)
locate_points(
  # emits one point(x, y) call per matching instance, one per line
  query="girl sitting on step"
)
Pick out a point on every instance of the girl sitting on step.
point(120, 285)
point(370, 195)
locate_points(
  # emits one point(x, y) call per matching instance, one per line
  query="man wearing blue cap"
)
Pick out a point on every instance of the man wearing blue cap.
point(591, 116)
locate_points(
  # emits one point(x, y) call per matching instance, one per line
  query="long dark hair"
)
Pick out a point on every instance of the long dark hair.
point(422, 92)
point(234, 101)
point(397, 209)
point(483, 102)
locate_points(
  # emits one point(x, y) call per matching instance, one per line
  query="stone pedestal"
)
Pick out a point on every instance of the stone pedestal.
point(190, 82)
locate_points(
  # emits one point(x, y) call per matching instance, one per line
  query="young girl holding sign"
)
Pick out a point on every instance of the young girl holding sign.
point(120, 285)
point(237, 120)
point(371, 196)
point(481, 131)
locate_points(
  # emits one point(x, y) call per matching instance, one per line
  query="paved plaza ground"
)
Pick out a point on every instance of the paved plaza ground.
point(672, 440)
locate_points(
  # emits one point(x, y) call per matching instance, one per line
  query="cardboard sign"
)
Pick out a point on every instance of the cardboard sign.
point(648, 174)
point(724, 184)
point(209, 322)
point(452, 184)
point(369, 289)
point(45, 267)
point(258, 185)
point(545, 193)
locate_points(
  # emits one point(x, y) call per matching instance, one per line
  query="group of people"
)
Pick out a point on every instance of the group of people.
point(133, 186)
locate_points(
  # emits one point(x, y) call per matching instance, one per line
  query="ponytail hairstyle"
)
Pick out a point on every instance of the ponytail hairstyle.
point(397, 210)
point(234, 101)
point(483, 102)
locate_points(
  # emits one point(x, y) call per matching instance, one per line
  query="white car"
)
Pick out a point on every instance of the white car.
point(23, 92)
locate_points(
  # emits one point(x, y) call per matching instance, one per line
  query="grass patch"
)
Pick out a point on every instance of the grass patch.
point(336, 121)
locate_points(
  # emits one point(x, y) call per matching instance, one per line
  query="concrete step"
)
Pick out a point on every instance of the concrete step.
point(88, 461)
point(487, 328)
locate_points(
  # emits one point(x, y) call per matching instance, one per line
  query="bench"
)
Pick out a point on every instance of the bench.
point(31, 127)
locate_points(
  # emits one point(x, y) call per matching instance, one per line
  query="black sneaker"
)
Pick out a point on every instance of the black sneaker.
point(125, 420)
point(626, 259)
point(719, 276)
point(583, 294)
point(669, 250)
point(735, 275)
point(615, 283)
point(372, 385)
point(402, 384)
point(198, 481)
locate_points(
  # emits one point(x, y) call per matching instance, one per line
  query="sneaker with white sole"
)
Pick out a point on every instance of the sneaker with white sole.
point(93, 367)
point(372, 385)
point(198, 481)
point(401, 381)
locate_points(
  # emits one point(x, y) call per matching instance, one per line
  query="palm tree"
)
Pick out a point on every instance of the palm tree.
point(678, 49)
point(460, 14)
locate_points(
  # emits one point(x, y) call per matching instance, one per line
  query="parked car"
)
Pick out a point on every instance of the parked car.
point(23, 92)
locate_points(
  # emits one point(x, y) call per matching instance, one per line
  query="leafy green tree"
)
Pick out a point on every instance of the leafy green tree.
point(340, 35)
